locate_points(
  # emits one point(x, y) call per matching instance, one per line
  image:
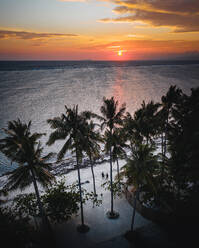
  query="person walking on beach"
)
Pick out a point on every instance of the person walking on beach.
point(102, 174)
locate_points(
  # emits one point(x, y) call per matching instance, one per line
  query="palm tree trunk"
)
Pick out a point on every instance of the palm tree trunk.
point(134, 209)
point(118, 169)
point(162, 143)
point(80, 189)
point(93, 175)
point(166, 135)
point(111, 180)
point(163, 156)
point(45, 221)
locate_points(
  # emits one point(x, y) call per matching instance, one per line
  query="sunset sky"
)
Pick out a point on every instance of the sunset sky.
point(99, 29)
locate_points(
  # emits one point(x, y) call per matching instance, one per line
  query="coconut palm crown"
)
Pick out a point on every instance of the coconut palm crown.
point(22, 147)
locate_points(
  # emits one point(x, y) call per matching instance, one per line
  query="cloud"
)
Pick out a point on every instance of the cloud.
point(180, 15)
point(7, 34)
point(113, 47)
point(135, 36)
point(122, 10)
point(182, 7)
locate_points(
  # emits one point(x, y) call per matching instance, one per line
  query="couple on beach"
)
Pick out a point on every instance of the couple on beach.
point(103, 175)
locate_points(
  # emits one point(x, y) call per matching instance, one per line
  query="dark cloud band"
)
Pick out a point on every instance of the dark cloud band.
point(180, 15)
point(5, 34)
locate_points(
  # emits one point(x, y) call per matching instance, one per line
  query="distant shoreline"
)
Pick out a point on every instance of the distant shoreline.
point(24, 65)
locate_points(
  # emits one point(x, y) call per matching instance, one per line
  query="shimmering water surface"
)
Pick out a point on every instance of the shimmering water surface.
point(39, 91)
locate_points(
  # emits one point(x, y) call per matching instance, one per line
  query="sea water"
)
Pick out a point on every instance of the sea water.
point(39, 90)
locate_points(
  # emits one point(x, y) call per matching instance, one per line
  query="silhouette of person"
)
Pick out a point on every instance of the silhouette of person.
point(103, 174)
point(106, 175)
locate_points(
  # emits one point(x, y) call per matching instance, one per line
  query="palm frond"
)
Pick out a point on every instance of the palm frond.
point(43, 176)
point(65, 147)
point(20, 178)
point(48, 156)
point(59, 134)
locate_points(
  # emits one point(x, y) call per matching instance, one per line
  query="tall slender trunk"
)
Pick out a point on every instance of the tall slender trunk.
point(118, 169)
point(166, 135)
point(178, 194)
point(134, 209)
point(111, 180)
point(45, 221)
point(162, 143)
point(163, 157)
point(93, 175)
point(80, 189)
point(147, 140)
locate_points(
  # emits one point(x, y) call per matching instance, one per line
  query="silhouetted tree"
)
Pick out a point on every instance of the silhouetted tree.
point(71, 127)
point(117, 141)
point(111, 119)
point(139, 171)
point(22, 147)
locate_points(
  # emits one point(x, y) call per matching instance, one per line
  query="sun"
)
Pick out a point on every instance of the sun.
point(119, 53)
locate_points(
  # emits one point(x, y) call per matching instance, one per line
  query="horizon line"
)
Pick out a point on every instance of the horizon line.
point(92, 60)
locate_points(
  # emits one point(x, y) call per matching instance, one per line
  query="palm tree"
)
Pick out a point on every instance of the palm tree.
point(131, 130)
point(147, 121)
point(71, 127)
point(139, 170)
point(172, 96)
point(92, 147)
point(118, 145)
point(111, 118)
point(22, 147)
point(183, 145)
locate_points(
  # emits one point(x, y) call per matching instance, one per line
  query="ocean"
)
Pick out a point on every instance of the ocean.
point(39, 90)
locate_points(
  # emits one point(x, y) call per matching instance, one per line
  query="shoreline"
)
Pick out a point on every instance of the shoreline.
point(61, 168)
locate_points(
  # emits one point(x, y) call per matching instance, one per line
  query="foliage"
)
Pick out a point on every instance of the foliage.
point(61, 202)
point(91, 196)
point(141, 166)
point(116, 141)
point(25, 205)
point(92, 141)
point(72, 127)
point(24, 148)
point(171, 181)
point(117, 187)
point(111, 115)
point(146, 122)
point(183, 138)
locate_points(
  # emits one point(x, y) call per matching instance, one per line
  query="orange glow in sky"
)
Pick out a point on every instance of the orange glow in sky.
point(116, 30)
point(119, 53)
